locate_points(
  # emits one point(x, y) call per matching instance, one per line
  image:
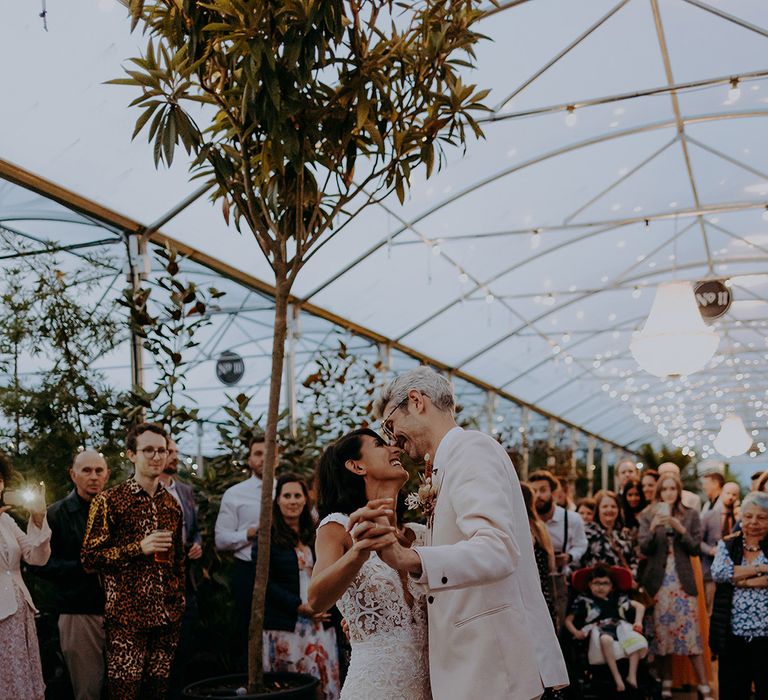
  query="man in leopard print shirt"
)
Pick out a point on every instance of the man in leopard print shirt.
point(127, 526)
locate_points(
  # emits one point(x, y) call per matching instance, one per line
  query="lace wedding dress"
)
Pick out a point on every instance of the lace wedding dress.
point(387, 634)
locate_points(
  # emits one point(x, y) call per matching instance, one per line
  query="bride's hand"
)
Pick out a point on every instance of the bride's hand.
point(378, 511)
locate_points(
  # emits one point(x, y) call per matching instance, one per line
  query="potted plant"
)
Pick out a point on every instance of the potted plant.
point(313, 111)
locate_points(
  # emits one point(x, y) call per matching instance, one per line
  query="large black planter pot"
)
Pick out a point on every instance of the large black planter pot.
point(301, 687)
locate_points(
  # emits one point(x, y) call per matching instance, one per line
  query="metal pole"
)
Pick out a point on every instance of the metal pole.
point(291, 400)
point(572, 465)
point(590, 466)
point(138, 270)
point(524, 423)
point(200, 459)
point(551, 460)
point(490, 411)
point(604, 467)
point(617, 455)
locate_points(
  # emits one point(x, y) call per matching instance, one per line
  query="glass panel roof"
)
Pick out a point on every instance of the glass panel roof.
point(526, 262)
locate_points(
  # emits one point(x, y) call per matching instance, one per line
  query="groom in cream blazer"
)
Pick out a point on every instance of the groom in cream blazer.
point(490, 632)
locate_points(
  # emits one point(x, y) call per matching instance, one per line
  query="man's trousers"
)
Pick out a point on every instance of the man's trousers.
point(139, 660)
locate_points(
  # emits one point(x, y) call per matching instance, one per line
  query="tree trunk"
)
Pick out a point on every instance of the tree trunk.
point(255, 637)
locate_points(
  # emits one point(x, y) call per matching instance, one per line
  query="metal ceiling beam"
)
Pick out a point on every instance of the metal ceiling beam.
point(705, 210)
point(623, 178)
point(112, 219)
point(603, 138)
point(680, 124)
point(728, 17)
point(554, 309)
point(624, 96)
point(561, 54)
point(724, 156)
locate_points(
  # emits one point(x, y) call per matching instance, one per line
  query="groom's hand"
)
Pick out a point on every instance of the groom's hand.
point(372, 520)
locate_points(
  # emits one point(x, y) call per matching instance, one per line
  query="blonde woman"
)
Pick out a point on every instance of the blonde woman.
point(670, 534)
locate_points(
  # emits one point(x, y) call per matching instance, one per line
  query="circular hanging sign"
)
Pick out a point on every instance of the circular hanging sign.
point(230, 368)
point(713, 298)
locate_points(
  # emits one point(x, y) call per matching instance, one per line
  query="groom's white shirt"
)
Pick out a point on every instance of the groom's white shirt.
point(490, 632)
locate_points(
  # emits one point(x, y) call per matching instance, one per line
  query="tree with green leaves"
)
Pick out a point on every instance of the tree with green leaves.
point(301, 113)
point(167, 324)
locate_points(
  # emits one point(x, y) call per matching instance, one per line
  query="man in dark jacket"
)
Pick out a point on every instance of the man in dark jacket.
point(79, 596)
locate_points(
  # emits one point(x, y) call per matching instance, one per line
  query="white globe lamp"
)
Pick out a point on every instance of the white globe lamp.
point(674, 341)
point(733, 438)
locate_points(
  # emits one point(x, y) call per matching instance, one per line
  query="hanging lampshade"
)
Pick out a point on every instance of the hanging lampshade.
point(675, 340)
point(733, 438)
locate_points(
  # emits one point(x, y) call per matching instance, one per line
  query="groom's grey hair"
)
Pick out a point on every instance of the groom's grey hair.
point(422, 379)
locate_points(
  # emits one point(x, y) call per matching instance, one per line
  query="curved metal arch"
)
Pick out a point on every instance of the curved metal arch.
point(602, 138)
point(570, 302)
point(568, 350)
point(561, 54)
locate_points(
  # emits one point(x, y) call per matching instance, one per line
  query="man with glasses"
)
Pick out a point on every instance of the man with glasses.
point(134, 541)
point(490, 632)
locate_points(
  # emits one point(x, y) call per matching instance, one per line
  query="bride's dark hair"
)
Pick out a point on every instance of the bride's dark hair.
point(338, 489)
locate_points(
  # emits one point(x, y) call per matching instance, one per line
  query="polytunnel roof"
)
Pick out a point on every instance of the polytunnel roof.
point(526, 262)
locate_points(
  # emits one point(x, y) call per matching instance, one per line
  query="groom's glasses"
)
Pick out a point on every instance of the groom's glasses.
point(386, 425)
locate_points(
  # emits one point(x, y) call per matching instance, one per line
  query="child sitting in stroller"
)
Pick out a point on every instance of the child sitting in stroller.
point(600, 613)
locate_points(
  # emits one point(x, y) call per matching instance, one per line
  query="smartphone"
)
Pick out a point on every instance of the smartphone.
point(663, 509)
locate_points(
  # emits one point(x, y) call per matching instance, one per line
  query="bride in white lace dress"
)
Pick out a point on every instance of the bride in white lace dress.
point(385, 612)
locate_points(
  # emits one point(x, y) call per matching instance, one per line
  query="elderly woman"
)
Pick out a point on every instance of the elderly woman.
point(21, 675)
point(739, 631)
point(670, 534)
point(607, 540)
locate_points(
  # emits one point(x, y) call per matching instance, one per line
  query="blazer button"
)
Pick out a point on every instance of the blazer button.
point(431, 599)
point(444, 580)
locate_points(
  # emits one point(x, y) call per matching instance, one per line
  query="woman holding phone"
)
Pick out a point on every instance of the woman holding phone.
point(20, 671)
point(669, 535)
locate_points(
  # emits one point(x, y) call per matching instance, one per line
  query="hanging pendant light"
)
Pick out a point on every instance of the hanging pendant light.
point(733, 438)
point(674, 341)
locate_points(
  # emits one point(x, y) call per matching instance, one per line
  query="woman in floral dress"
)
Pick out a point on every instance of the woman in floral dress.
point(670, 534)
point(608, 541)
point(296, 638)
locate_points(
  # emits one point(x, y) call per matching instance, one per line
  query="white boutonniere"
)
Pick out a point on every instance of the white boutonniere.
point(425, 499)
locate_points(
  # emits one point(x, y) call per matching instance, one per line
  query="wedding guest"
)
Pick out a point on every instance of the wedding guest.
point(134, 541)
point(755, 478)
point(296, 638)
point(79, 597)
point(566, 531)
point(608, 541)
point(601, 608)
point(648, 483)
point(237, 526)
point(716, 524)
point(564, 494)
point(21, 675)
point(739, 629)
point(712, 484)
point(586, 509)
point(689, 498)
point(193, 546)
point(762, 483)
point(633, 502)
point(670, 534)
point(542, 549)
point(626, 470)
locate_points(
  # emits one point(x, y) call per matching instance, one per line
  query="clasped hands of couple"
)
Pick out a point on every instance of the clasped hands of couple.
point(373, 528)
